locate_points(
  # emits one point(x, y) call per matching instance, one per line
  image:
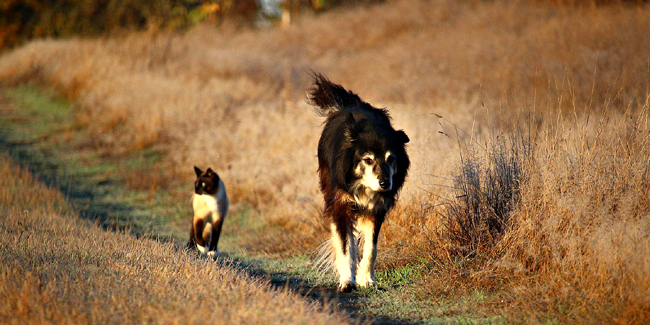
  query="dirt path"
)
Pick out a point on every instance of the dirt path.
point(351, 302)
point(48, 172)
point(86, 194)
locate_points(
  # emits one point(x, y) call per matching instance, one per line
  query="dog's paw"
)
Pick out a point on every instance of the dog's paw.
point(347, 286)
point(365, 279)
point(366, 282)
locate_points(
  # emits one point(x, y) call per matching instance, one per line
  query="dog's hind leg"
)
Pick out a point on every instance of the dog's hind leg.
point(366, 271)
point(345, 261)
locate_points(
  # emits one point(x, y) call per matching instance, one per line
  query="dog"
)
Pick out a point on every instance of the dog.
point(362, 165)
point(210, 203)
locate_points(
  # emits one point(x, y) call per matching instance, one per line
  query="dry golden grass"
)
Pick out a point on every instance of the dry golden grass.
point(576, 245)
point(583, 223)
point(56, 269)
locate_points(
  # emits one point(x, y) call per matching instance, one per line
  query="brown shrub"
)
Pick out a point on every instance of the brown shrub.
point(582, 225)
point(569, 236)
point(487, 190)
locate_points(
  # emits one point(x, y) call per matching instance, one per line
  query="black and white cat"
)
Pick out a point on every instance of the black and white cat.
point(210, 204)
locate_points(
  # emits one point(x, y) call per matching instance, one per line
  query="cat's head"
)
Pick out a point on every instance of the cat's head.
point(206, 182)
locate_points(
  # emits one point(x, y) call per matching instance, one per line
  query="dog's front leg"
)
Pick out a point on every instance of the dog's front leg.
point(345, 252)
point(366, 272)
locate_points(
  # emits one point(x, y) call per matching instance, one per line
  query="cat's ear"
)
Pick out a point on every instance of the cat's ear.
point(198, 171)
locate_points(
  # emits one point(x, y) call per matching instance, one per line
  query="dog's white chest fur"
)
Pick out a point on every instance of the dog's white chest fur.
point(366, 198)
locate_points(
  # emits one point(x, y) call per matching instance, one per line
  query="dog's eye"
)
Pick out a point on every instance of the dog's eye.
point(368, 161)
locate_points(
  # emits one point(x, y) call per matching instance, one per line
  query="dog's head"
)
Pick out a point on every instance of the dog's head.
point(206, 182)
point(380, 162)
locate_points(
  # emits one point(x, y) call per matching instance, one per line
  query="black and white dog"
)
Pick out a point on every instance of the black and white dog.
point(362, 163)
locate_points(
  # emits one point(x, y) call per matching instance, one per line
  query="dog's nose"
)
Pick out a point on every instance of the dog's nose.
point(384, 184)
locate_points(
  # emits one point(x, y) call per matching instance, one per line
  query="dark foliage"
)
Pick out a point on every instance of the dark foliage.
point(487, 192)
point(22, 20)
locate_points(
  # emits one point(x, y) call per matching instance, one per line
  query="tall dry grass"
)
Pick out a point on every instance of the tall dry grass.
point(551, 225)
point(583, 223)
point(57, 269)
point(233, 99)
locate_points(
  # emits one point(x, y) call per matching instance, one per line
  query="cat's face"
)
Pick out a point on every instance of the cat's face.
point(206, 182)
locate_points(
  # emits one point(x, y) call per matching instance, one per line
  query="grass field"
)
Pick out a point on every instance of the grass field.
point(60, 269)
point(528, 198)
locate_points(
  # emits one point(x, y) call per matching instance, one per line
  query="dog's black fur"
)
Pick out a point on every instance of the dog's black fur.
point(353, 128)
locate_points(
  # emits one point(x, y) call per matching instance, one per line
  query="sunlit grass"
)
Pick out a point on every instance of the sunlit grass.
point(575, 79)
point(59, 269)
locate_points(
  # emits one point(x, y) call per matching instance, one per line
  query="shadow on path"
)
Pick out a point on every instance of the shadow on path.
point(89, 198)
point(84, 198)
point(351, 302)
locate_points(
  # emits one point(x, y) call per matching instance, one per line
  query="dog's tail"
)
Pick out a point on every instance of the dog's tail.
point(324, 262)
point(328, 97)
point(325, 256)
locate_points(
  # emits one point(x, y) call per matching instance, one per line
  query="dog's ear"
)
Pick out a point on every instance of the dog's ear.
point(402, 137)
point(350, 125)
point(198, 171)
